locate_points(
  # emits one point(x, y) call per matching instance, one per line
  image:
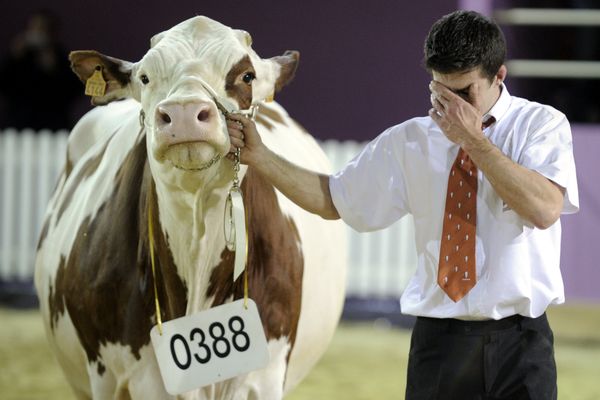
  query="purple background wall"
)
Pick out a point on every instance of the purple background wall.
point(360, 72)
point(360, 68)
point(581, 231)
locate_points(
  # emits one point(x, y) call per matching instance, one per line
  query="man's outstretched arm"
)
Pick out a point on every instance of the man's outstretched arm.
point(308, 189)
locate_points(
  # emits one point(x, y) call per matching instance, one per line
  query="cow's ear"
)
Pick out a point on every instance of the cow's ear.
point(115, 73)
point(289, 63)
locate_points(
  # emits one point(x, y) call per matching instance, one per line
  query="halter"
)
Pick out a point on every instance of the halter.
point(250, 112)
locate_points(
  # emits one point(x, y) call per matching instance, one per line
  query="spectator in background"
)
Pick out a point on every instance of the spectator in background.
point(36, 82)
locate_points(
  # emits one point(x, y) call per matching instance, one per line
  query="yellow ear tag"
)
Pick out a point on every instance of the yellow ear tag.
point(95, 86)
point(270, 98)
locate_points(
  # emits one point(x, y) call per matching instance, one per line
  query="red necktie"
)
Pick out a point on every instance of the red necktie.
point(457, 271)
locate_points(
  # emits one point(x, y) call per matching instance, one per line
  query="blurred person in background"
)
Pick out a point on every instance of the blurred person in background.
point(36, 82)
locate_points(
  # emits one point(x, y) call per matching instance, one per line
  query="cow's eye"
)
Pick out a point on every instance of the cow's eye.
point(145, 80)
point(249, 77)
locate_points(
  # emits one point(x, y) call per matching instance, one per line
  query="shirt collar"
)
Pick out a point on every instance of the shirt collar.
point(501, 106)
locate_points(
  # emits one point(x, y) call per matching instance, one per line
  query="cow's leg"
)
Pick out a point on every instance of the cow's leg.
point(75, 374)
point(102, 381)
point(80, 395)
point(267, 383)
point(145, 382)
point(69, 354)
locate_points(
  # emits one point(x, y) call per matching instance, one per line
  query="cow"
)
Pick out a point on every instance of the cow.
point(157, 146)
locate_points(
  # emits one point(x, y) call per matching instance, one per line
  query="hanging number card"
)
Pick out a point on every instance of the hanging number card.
point(210, 346)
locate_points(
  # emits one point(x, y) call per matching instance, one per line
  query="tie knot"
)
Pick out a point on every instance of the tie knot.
point(487, 122)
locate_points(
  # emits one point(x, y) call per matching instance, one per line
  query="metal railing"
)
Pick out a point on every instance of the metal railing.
point(587, 69)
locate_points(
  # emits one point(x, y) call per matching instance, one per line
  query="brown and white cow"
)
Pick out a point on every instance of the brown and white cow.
point(93, 271)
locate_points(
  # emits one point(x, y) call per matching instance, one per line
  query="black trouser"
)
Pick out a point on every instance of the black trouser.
point(511, 358)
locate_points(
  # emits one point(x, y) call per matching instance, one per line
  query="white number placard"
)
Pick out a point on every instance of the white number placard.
point(210, 346)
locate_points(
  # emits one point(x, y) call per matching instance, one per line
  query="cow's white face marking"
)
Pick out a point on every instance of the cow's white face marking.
point(175, 79)
point(179, 81)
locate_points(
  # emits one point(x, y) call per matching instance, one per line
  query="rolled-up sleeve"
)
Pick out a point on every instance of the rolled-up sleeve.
point(549, 151)
point(369, 193)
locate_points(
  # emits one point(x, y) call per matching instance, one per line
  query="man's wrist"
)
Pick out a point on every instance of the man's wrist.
point(478, 146)
point(258, 155)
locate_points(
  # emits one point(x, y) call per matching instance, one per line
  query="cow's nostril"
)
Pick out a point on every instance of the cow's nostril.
point(165, 117)
point(203, 115)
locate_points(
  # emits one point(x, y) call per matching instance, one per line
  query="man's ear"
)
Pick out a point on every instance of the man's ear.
point(115, 73)
point(501, 74)
point(289, 63)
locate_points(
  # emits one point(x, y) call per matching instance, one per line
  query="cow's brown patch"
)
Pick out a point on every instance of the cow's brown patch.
point(116, 73)
point(289, 64)
point(43, 233)
point(101, 369)
point(261, 120)
point(84, 63)
point(106, 281)
point(266, 115)
point(88, 169)
point(57, 303)
point(235, 85)
point(68, 165)
point(275, 262)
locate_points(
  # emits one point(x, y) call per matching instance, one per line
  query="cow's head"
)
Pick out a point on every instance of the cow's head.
point(192, 74)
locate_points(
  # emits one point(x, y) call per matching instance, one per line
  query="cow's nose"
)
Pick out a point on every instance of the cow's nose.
point(191, 121)
point(189, 113)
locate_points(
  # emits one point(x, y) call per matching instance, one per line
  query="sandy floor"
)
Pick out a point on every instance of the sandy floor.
point(365, 361)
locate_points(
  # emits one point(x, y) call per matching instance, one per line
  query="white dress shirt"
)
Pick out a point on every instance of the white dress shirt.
point(405, 171)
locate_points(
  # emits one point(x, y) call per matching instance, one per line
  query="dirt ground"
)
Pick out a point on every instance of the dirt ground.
point(365, 361)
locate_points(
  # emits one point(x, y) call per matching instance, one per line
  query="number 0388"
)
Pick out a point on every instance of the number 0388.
point(210, 346)
point(220, 341)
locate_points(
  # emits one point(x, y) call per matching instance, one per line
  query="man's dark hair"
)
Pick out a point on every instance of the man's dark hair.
point(462, 41)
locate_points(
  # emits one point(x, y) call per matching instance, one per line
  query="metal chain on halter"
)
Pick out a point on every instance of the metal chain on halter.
point(235, 227)
point(236, 168)
point(229, 228)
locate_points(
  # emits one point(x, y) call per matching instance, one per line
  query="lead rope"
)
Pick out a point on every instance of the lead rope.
point(151, 244)
point(151, 241)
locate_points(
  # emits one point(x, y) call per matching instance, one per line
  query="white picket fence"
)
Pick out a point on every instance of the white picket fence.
point(380, 263)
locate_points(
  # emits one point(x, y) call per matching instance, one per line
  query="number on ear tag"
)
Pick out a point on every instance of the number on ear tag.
point(95, 86)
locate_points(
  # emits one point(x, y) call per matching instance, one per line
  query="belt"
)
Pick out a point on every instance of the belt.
point(479, 327)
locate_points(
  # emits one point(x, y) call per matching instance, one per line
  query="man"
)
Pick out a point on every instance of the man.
point(486, 176)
